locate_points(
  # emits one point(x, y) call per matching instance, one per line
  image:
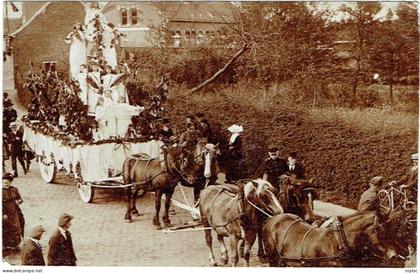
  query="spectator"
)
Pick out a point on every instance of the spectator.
point(12, 230)
point(61, 252)
point(16, 148)
point(32, 250)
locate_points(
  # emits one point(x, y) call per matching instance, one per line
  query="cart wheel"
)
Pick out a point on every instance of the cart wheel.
point(86, 192)
point(384, 200)
point(48, 172)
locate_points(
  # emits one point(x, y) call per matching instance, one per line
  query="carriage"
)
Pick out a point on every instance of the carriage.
point(93, 165)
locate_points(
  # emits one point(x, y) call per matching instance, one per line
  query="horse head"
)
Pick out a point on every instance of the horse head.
point(205, 157)
point(260, 194)
point(297, 197)
point(181, 163)
point(367, 235)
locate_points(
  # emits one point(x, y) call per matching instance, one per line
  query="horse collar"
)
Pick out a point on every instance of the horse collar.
point(342, 241)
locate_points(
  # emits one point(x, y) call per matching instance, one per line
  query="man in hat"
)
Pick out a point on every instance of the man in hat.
point(205, 129)
point(236, 166)
point(9, 116)
point(369, 200)
point(61, 250)
point(410, 178)
point(189, 138)
point(12, 230)
point(32, 250)
point(16, 148)
point(294, 168)
point(274, 167)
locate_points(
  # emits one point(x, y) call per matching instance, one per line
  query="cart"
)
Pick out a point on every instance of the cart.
point(93, 165)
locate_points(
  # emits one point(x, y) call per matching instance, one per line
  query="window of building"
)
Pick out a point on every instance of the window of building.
point(200, 37)
point(134, 16)
point(177, 39)
point(124, 17)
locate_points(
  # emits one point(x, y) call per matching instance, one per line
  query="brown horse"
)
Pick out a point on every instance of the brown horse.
point(236, 213)
point(177, 166)
point(290, 241)
point(296, 197)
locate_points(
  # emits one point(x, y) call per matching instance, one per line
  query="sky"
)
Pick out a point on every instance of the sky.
point(327, 4)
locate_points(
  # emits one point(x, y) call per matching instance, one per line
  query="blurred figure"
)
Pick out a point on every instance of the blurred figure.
point(16, 148)
point(32, 250)
point(236, 166)
point(60, 251)
point(12, 230)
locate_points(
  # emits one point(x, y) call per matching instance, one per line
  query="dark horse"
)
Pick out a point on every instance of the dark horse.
point(296, 197)
point(289, 241)
point(177, 166)
point(236, 212)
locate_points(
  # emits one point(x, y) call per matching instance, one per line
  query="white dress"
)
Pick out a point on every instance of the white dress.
point(110, 55)
point(92, 95)
point(108, 80)
point(81, 78)
point(77, 52)
point(91, 13)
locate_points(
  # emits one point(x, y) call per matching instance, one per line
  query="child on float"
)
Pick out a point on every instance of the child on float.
point(108, 80)
point(78, 53)
point(94, 86)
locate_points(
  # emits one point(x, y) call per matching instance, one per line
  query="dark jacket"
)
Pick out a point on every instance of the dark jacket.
point(60, 251)
point(16, 142)
point(298, 171)
point(32, 254)
point(205, 131)
point(274, 169)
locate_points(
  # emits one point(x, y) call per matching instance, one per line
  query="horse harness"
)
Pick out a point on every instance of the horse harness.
point(341, 240)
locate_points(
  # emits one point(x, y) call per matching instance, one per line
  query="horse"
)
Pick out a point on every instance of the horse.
point(162, 177)
point(296, 197)
point(236, 212)
point(290, 241)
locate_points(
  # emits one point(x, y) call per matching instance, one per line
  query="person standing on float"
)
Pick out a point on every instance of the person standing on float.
point(77, 55)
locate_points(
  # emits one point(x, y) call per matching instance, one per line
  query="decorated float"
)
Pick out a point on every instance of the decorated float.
point(84, 124)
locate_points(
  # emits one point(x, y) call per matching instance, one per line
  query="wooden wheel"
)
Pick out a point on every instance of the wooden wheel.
point(47, 168)
point(86, 192)
point(385, 200)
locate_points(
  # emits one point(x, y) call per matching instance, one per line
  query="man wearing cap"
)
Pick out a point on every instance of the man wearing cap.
point(189, 138)
point(369, 200)
point(294, 168)
point(165, 132)
point(12, 230)
point(61, 250)
point(274, 167)
point(32, 250)
point(15, 138)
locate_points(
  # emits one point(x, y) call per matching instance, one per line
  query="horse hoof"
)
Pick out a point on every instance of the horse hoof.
point(263, 259)
point(224, 261)
point(159, 228)
point(168, 225)
point(128, 221)
point(212, 263)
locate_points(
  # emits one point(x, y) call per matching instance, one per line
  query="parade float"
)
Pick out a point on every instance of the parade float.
point(85, 124)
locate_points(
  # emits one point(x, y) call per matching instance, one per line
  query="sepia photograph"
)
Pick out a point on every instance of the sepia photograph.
point(209, 134)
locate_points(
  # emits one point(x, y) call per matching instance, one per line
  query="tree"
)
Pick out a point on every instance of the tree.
point(361, 23)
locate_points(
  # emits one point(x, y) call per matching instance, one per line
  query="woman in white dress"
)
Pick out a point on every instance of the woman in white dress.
point(110, 55)
point(122, 72)
point(95, 22)
point(77, 49)
point(108, 80)
point(82, 79)
point(94, 81)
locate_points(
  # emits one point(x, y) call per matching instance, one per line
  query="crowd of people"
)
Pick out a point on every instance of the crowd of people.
point(60, 247)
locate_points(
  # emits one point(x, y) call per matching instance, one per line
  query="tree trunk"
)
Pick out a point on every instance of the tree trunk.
point(219, 72)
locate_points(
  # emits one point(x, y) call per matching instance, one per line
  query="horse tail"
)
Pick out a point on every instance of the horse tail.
point(126, 171)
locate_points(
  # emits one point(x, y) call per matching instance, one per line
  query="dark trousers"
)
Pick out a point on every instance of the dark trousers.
point(18, 156)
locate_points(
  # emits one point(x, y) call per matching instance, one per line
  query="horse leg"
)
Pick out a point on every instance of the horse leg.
point(166, 220)
point(223, 250)
point(158, 197)
point(249, 241)
point(261, 252)
point(128, 212)
point(134, 210)
point(209, 239)
point(233, 242)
